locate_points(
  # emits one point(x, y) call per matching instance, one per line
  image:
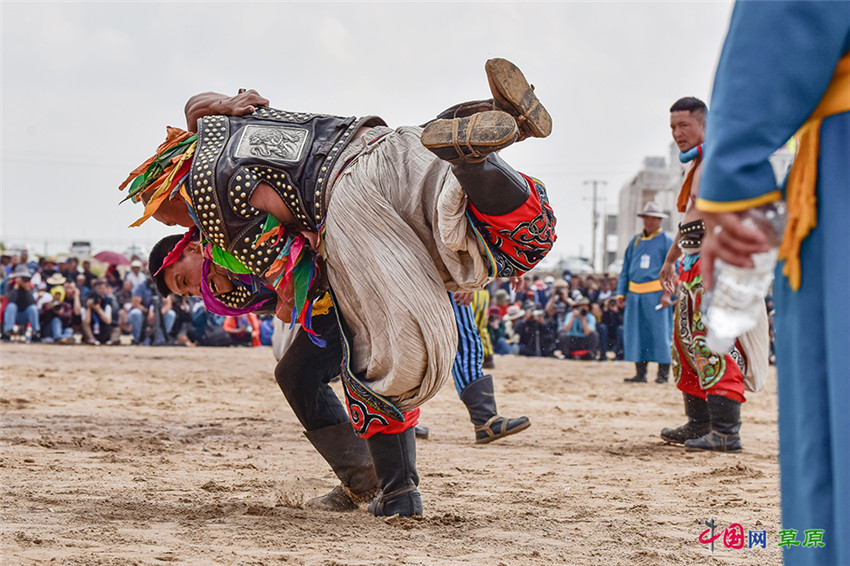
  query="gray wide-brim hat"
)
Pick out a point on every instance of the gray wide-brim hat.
point(21, 271)
point(652, 209)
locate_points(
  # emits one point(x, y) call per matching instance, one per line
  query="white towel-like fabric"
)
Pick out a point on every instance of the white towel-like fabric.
point(396, 239)
point(756, 348)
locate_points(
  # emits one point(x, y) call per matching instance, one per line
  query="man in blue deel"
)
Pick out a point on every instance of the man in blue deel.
point(647, 324)
point(785, 68)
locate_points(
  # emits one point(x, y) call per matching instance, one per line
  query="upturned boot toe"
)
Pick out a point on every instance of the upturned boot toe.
point(499, 427)
point(513, 94)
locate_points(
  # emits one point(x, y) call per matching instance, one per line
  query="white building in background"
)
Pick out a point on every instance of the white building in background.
point(660, 180)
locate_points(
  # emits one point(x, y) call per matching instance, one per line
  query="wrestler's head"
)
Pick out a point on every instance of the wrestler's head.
point(687, 122)
point(183, 277)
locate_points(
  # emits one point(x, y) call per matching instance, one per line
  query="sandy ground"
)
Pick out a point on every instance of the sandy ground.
point(123, 455)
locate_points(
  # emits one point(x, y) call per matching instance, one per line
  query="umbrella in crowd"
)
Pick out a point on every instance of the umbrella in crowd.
point(112, 258)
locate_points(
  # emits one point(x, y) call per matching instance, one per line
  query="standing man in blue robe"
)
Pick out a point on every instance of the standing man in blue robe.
point(785, 68)
point(648, 324)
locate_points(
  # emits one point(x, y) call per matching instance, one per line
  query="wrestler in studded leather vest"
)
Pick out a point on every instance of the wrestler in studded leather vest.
point(293, 153)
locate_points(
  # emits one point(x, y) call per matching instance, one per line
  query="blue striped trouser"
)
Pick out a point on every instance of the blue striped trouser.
point(470, 350)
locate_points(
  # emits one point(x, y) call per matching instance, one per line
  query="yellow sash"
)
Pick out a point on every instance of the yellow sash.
point(802, 181)
point(648, 287)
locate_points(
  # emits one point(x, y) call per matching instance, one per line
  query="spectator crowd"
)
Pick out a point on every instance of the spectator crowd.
point(566, 316)
point(66, 302)
point(569, 317)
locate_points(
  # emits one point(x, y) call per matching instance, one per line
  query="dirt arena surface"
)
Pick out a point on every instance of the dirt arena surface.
point(138, 455)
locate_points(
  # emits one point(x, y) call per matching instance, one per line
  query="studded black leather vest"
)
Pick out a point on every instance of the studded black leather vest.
point(690, 235)
point(292, 152)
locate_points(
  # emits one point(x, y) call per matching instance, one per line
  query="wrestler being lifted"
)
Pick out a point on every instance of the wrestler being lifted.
point(285, 206)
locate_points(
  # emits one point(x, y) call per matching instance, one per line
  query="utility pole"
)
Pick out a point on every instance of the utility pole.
point(594, 182)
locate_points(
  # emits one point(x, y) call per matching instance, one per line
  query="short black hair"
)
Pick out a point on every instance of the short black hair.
point(161, 249)
point(691, 104)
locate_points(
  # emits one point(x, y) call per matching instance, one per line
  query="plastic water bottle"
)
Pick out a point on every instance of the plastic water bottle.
point(733, 307)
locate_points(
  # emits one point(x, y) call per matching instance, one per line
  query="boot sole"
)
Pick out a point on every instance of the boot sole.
point(511, 89)
point(471, 138)
point(693, 449)
point(490, 439)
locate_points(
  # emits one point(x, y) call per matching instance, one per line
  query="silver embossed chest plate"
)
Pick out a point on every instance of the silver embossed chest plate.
point(272, 143)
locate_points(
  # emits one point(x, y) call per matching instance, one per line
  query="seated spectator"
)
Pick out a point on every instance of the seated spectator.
point(5, 263)
point(244, 330)
point(82, 285)
point(70, 270)
point(605, 291)
point(90, 277)
point(579, 339)
point(136, 275)
point(496, 329)
point(176, 319)
point(611, 331)
point(266, 329)
point(20, 307)
point(142, 316)
point(538, 291)
point(97, 314)
point(559, 304)
point(113, 279)
point(56, 315)
point(501, 301)
point(124, 302)
point(536, 338)
point(48, 269)
point(206, 327)
point(74, 299)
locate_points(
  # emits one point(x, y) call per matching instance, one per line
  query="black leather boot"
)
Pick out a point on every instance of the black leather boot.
point(351, 461)
point(640, 376)
point(493, 187)
point(663, 373)
point(394, 457)
point(725, 424)
point(465, 109)
point(699, 421)
point(480, 401)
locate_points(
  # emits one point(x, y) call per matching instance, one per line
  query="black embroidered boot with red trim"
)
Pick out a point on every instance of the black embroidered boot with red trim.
point(351, 461)
point(394, 458)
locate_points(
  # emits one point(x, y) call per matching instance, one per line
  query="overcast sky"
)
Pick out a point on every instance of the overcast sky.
point(88, 88)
